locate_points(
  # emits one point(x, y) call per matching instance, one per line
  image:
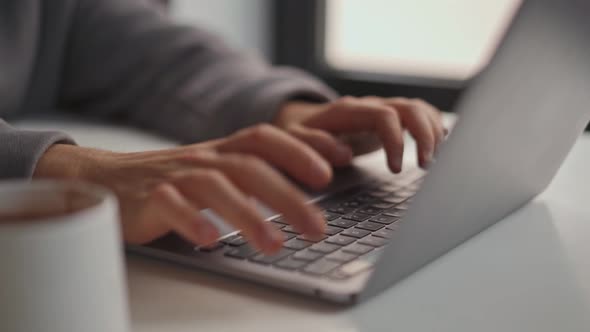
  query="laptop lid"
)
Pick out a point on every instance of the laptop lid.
point(517, 122)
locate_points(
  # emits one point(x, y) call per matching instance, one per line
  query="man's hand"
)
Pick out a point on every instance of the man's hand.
point(163, 191)
point(352, 126)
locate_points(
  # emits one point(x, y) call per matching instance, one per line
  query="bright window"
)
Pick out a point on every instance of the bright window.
point(445, 39)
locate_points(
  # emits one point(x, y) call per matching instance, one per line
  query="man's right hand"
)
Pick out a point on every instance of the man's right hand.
point(163, 191)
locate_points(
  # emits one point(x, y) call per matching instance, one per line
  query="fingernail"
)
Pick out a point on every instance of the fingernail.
point(397, 164)
point(427, 159)
point(344, 153)
point(272, 241)
point(319, 225)
point(321, 171)
point(210, 234)
point(269, 237)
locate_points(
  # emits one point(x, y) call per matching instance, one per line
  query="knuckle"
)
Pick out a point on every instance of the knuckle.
point(400, 100)
point(207, 177)
point(161, 191)
point(261, 132)
point(243, 162)
point(386, 114)
point(195, 156)
point(346, 100)
point(422, 104)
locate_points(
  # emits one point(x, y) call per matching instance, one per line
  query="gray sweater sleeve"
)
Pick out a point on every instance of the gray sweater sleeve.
point(127, 60)
point(21, 149)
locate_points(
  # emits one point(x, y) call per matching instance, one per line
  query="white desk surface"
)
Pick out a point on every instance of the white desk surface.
point(529, 272)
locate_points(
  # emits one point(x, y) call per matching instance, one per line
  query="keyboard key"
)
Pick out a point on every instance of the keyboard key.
point(370, 210)
point(379, 193)
point(392, 227)
point(288, 236)
point(280, 220)
point(382, 205)
point(264, 259)
point(307, 255)
point(341, 240)
point(357, 248)
point(384, 233)
point(366, 198)
point(403, 207)
point(405, 193)
point(297, 244)
point(276, 225)
point(391, 187)
point(352, 204)
point(357, 216)
point(290, 229)
point(338, 275)
point(341, 209)
point(326, 248)
point(212, 247)
point(332, 230)
point(344, 223)
point(386, 220)
point(370, 226)
point(290, 264)
point(235, 240)
point(354, 268)
point(321, 267)
point(241, 252)
point(373, 241)
point(341, 256)
point(394, 213)
point(356, 232)
point(394, 199)
point(372, 256)
point(330, 216)
point(316, 240)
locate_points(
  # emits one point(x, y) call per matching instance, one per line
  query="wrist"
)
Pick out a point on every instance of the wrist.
point(63, 161)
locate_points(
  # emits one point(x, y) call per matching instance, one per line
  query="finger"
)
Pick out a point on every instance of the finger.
point(354, 116)
point(166, 209)
point(255, 177)
point(331, 148)
point(435, 119)
point(420, 126)
point(362, 143)
point(283, 151)
point(439, 130)
point(214, 190)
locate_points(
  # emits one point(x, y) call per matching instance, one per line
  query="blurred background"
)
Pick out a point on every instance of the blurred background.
point(416, 48)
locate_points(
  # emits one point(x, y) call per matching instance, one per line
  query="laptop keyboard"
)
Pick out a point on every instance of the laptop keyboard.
point(361, 220)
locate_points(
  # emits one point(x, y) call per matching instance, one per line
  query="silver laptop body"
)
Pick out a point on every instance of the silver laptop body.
point(517, 122)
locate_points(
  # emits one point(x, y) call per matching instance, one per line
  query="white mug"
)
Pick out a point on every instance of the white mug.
point(61, 266)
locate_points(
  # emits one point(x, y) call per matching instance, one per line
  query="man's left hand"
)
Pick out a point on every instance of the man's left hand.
point(352, 126)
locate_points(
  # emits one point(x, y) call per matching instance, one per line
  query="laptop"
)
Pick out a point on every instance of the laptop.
point(518, 119)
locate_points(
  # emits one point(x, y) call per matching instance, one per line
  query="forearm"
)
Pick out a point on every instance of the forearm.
point(20, 150)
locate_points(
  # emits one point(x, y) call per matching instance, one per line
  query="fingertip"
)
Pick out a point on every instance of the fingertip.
point(212, 235)
point(425, 160)
point(317, 225)
point(342, 154)
point(322, 174)
point(273, 248)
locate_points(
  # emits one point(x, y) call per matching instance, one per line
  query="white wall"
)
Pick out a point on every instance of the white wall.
point(243, 23)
